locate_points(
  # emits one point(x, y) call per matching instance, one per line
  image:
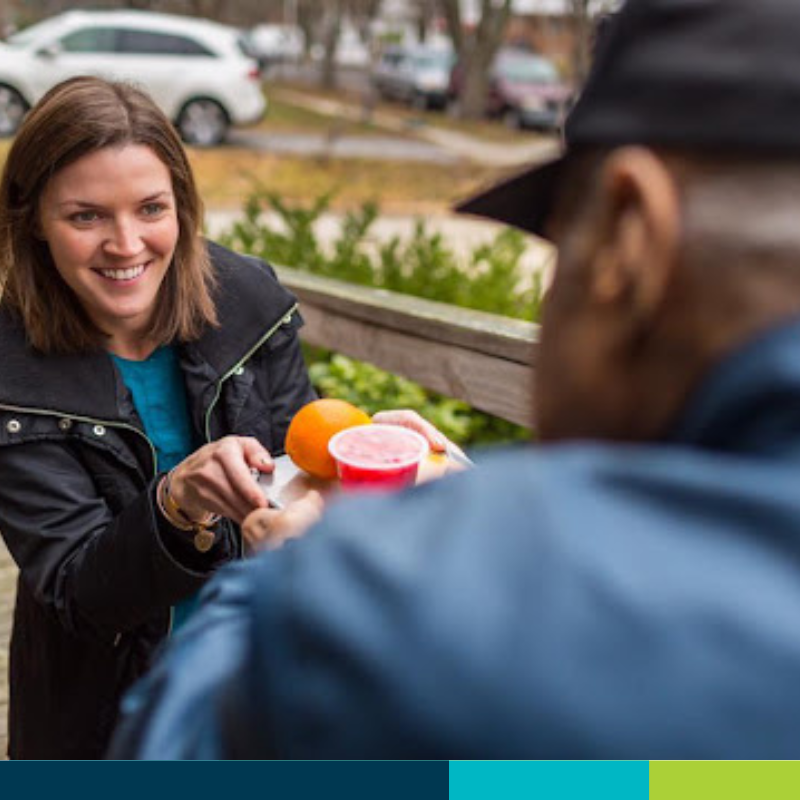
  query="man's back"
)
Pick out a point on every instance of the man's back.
point(582, 601)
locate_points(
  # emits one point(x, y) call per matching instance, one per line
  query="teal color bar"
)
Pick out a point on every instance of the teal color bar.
point(549, 780)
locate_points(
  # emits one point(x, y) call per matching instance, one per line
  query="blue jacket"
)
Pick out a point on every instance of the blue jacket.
point(578, 601)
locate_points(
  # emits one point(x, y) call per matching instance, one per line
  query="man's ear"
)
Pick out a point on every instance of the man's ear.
point(637, 232)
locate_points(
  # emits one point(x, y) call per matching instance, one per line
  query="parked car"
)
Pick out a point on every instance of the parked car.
point(196, 70)
point(275, 44)
point(525, 90)
point(417, 75)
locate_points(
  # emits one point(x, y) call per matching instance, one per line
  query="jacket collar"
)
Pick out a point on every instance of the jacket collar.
point(249, 302)
point(750, 401)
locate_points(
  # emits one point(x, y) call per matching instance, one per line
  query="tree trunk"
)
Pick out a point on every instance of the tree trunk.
point(332, 26)
point(305, 17)
point(582, 30)
point(475, 52)
point(426, 12)
point(475, 83)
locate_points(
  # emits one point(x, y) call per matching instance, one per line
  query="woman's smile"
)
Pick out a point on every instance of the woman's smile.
point(124, 275)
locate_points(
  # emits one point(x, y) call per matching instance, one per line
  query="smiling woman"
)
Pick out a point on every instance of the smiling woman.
point(146, 372)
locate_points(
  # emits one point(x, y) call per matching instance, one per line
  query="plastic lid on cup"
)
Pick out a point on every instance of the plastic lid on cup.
point(378, 446)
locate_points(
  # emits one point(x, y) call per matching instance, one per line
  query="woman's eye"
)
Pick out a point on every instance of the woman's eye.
point(85, 216)
point(153, 209)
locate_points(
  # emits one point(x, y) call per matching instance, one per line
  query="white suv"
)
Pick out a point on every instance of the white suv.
point(198, 71)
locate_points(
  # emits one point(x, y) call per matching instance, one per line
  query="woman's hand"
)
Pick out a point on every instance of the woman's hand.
point(269, 528)
point(410, 419)
point(217, 479)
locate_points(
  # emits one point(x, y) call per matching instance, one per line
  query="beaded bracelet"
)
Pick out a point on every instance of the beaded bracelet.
point(204, 537)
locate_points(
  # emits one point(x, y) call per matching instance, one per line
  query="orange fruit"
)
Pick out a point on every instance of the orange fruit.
point(312, 427)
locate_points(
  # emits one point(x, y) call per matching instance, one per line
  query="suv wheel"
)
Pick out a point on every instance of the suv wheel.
point(203, 123)
point(12, 110)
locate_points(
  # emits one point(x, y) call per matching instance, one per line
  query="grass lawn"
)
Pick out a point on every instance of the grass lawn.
point(226, 176)
point(283, 117)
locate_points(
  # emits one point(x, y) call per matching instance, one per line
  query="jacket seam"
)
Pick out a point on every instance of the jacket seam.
point(80, 418)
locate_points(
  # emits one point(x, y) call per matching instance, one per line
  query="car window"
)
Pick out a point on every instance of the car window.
point(246, 46)
point(528, 70)
point(89, 40)
point(392, 59)
point(432, 61)
point(142, 42)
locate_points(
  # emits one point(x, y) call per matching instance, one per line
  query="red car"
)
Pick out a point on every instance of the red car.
point(525, 90)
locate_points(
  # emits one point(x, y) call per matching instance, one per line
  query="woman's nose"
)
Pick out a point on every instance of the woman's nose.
point(124, 238)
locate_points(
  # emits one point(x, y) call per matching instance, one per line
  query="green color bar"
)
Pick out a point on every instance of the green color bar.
point(728, 780)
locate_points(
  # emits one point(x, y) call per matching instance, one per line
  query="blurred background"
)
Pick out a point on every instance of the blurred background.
point(410, 103)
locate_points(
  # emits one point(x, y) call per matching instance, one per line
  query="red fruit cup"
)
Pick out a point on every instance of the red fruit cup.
point(377, 457)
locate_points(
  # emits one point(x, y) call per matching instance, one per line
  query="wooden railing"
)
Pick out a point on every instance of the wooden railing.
point(484, 359)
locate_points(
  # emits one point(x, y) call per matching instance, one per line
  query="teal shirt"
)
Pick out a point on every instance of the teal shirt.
point(159, 395)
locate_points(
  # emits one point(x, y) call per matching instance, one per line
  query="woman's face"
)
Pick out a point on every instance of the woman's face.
point(110, 222)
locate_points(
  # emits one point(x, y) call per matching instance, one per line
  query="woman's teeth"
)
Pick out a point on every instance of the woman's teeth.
point(123, 274)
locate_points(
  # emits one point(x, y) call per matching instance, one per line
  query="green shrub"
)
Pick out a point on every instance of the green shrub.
point(373, 389)
point(422, 265)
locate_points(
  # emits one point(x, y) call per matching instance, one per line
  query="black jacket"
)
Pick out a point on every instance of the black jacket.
point(99, 567)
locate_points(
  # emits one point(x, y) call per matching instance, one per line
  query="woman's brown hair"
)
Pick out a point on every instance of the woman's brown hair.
point(75, 118)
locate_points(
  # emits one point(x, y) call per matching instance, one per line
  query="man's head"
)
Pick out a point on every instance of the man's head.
point(673, 208)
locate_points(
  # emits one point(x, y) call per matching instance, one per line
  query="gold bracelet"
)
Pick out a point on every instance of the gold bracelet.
point(203, 537)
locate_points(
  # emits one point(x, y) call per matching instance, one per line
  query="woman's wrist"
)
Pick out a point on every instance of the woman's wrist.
point(177, 517)
point(178, 507)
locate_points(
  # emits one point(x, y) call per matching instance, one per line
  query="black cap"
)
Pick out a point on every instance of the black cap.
point(706, 75)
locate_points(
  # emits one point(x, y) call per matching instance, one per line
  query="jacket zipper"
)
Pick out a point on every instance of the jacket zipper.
point(284, 320)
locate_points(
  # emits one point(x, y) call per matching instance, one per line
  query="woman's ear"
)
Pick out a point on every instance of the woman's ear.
point(637, 232)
